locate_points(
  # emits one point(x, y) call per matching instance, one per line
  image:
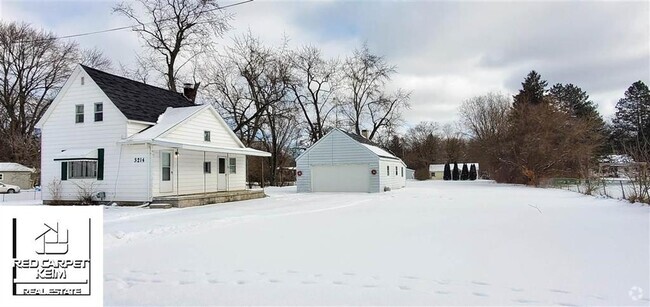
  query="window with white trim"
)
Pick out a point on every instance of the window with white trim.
point(207, 167)
point(79, 113)
point(206, 136)
point(387, 170)
point(99, 112)
point(2, 176)
point(233, 165)
point(82, 169)
point(396, 171)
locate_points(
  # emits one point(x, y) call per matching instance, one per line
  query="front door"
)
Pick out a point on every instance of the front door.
point(166, 172)
point(222, 175)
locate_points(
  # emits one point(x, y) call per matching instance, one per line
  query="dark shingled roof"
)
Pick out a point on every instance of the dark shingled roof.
point(136, 100)
point(363, 140)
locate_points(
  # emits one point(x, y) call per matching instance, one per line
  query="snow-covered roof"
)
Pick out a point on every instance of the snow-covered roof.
point(380, 152)
point(617, 159)
point(437, 168)
point(166, 121)
point(14, 167)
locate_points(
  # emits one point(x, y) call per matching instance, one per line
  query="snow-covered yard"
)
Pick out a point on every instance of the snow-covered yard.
point(433, 243)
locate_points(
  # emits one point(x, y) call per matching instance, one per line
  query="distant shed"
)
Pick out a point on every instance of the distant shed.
point(16, 174)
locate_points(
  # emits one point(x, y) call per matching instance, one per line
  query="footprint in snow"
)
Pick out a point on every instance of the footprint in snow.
point(442, 292)
point(318, 275)
point(410, 277)
point(241, 282)
point(525, 301)
point(370, 286)
point(404, 288)
point(349, 274)
point(516, 289)
point(156, 281)
point(186, 282)
point(479, 294)
point(186, 271)
point(275, 281)
point(567, 304)
point(239, 271)
point(559, 291)
point(308, 282)
point(480, 283)
point(338, 282)
point(292, 272)
point(261, 273)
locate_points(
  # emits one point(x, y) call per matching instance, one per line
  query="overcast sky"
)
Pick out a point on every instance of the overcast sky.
point(445, 51)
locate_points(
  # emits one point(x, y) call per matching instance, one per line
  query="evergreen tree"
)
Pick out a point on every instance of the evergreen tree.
point(464, 174)
point(632, 120)
point(472, 172)
point(533, 90)
point(573, 100)
point(447, 173)
point(455, 174)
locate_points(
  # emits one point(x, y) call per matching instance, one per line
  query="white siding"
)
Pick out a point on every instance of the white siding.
point(135, 127)
point(237, 181)
point(394, 178)
point(192, 131)
point(188, 171)
point(60, 132)
point(335, 148)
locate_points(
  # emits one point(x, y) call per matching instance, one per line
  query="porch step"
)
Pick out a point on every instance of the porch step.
point(160, 206)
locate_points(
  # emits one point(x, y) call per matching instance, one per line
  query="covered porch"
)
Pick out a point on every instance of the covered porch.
point(185, 174)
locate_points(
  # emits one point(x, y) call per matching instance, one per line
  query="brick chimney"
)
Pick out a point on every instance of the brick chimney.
point(364, 133)
point(190, 90)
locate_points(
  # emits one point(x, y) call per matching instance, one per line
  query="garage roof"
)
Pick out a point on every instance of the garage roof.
point(14, 167)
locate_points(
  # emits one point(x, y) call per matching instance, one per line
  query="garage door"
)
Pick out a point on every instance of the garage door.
point(340, 178)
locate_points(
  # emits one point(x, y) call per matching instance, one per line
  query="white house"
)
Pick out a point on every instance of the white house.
point(134, 143)
point(344, 162)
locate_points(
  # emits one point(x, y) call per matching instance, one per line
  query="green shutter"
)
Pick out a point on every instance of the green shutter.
point(64, 170)
point(100, 164)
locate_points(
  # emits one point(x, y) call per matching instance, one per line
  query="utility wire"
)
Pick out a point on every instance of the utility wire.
point(126, 27)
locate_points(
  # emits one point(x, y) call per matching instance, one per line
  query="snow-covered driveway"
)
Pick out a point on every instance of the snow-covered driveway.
point(433, 243)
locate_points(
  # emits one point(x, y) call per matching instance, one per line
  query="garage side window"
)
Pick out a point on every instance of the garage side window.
point(2, 176)
point(402, 171)
point(387, 170)
point(396, 171)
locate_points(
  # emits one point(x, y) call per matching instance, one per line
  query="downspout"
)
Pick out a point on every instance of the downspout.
point(177, 157)
point(149, 175)
point(228, 173)
point(204, 173)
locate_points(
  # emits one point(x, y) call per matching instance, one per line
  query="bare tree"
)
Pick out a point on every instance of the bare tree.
point(365, 76)
point(314, 82)
point(175, 30)
point(485, 119)
point(245, 81)
point(33, 67)
point(93, 57)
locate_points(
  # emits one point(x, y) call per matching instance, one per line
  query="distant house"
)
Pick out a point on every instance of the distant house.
point(16, 174)
point(438, 170)
point(133, 143)
point(345, 162)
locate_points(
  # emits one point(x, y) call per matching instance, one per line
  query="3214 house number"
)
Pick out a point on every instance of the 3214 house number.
point(138, 160)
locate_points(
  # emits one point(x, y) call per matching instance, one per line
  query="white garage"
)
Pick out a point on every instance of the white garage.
point(345, 162)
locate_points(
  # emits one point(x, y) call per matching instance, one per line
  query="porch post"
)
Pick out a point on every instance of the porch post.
point(228, 173)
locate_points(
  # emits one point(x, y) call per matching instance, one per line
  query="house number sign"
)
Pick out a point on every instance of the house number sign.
point(138, 160)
